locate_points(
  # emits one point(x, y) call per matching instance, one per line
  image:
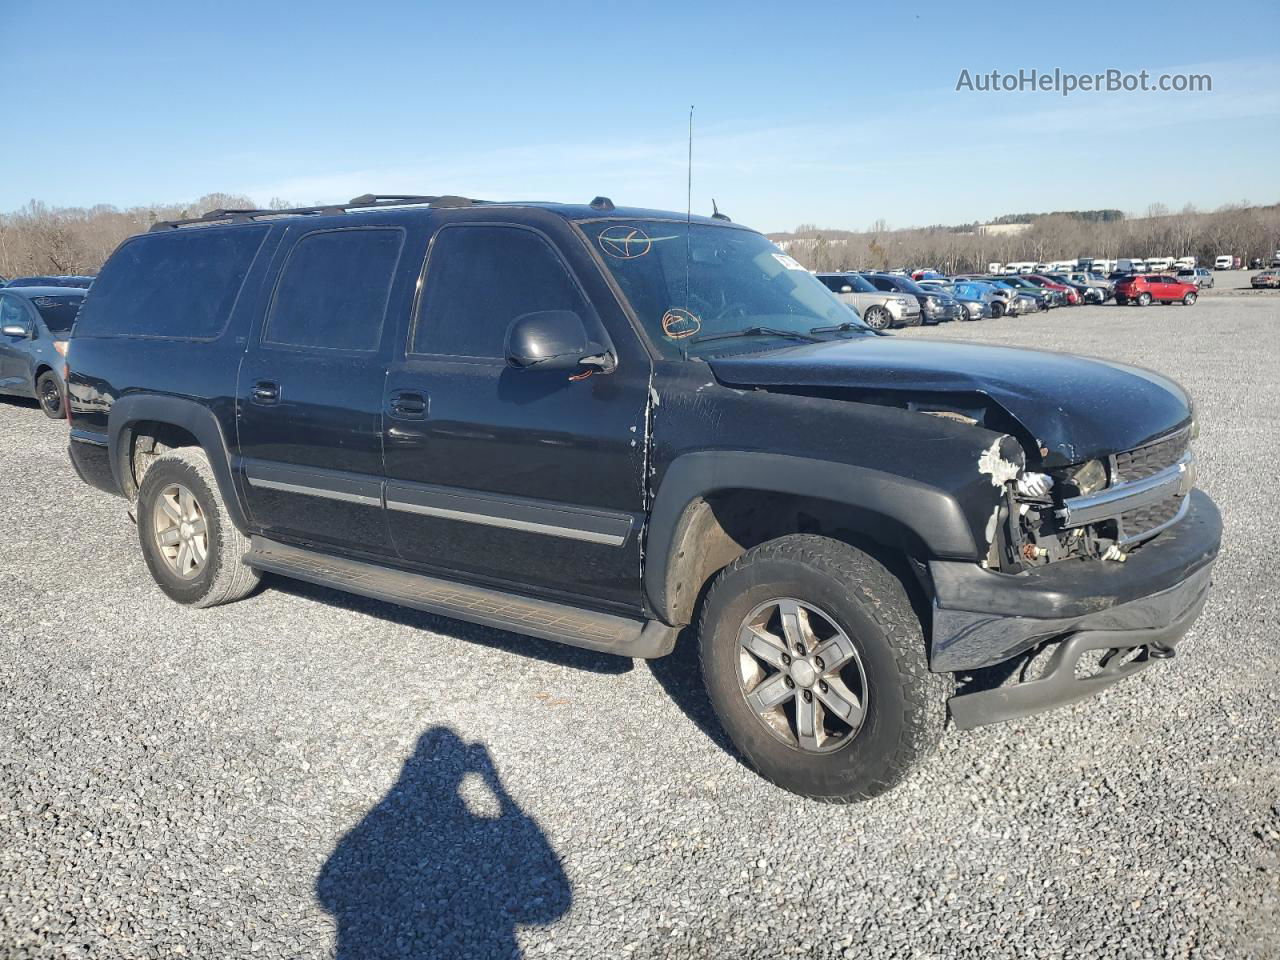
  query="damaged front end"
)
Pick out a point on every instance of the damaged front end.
point(1100, 509)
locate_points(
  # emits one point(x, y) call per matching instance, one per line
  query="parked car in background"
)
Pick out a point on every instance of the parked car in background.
point(1147, 288)
point(1013, 302)
point(1045, 299)
point(1085, 293)
point(934, 307)
point(35, 323)
point(67, 281)
point(1223, 262)
point(878, 310)
point(1255, 263)
point(1267, 279)
point(1091, 280)
point(1066, 295)
point(1200, 276)
point(980, 300)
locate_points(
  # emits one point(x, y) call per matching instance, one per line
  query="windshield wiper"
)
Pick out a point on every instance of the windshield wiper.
point(757, 332)
point(840, 327)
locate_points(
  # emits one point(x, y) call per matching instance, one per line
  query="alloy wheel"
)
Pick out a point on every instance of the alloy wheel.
point(181, 531)
point(801, 675)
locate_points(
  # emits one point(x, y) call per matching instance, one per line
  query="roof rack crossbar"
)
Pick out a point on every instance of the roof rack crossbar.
point(362, 202)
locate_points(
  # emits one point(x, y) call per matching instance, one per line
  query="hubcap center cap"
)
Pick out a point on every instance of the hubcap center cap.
point(185, 531)
point(803, 673)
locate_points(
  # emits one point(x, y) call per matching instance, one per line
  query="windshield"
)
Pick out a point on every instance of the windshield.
point(58, 313)
point(688, 283)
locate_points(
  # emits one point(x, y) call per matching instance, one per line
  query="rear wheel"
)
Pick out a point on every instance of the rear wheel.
point(997, 310)
point(49, 393)
point(1121, 301)
point(815, 663)
point(877, 318)
point(1189, 299)
point(192, 548)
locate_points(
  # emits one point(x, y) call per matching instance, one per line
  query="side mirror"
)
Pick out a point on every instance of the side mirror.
point(846, 289)
point(554, 340)
point(15, 330)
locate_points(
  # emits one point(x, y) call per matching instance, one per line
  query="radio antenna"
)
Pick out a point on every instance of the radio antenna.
point(688, 207)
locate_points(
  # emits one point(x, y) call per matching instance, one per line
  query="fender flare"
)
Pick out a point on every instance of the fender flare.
point(197, 419)
point(931, 514)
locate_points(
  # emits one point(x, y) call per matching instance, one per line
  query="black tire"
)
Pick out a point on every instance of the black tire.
point(905, 704)
point(997, 310)
point(223, 577)
point(1189, 299)
point(1121, 301)
point(51, 396)
point(877, 318)
point(1144, 299)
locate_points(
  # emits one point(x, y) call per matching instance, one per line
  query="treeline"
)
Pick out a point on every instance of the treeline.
point(1236, 229)
point(1091, 215)
point(40, 239)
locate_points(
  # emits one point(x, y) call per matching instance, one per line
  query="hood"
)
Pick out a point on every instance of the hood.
point(1076, 408)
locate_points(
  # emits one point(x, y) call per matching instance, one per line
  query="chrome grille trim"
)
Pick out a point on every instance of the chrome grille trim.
point(1173, 481)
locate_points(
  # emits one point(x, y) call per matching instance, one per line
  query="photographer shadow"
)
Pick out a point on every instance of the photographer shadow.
point(445, 866)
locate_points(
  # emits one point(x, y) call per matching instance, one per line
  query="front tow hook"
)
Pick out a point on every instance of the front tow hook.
point(1158, 651)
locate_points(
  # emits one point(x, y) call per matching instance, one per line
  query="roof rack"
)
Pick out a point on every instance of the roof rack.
point(363, 202)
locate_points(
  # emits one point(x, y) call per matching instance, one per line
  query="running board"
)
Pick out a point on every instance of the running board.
point(604, 632)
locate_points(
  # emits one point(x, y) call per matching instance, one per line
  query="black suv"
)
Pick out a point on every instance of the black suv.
point(601, 425)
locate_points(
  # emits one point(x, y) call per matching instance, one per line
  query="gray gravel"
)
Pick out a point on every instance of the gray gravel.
point(305, 772)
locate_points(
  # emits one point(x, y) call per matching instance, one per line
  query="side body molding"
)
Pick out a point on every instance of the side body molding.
point(197, 419)
point(931, 514)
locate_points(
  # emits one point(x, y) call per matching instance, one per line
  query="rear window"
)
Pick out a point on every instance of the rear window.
point(58, 312)
point(179, 286)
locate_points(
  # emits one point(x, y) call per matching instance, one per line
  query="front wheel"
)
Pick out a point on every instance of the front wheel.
point(49, 393)
point(1189, 299)
point(1144, 299)
point(814, 660)
point(192, 548)
point(877, 318)
point(997, 311)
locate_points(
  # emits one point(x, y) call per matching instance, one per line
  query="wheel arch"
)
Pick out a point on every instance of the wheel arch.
point(713, 506)
point(172, 422)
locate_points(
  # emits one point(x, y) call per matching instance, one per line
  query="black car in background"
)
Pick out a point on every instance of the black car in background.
point(35, 323)
point(935, 305)
point(58, 281)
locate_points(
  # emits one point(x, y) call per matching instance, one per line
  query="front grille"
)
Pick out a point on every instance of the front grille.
point(1134, 523)
point(1151, 459)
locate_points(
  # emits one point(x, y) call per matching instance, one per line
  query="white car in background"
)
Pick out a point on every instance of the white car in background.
point(1224, 262)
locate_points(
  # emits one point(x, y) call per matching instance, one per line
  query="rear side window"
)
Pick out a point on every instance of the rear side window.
point(333, 290)
point(479, 279)
point(180, 285)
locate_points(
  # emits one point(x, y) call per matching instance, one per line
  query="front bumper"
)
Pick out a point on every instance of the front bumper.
point(982, 618)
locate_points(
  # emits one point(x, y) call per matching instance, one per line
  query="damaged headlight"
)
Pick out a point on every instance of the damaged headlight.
point(1088, 478)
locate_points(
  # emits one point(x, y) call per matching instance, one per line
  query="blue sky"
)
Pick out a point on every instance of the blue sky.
point(834, 114)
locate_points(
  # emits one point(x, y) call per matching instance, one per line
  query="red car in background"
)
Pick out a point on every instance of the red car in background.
point(1069, 294)
point(1143, 288)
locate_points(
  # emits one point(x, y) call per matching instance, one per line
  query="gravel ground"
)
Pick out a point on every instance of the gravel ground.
point(305, 773)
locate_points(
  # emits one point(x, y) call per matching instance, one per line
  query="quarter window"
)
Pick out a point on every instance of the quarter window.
point(333, 291)
point(479, 279)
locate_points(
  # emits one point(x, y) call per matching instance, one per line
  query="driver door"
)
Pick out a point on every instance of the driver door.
point(13, 350)
point(523, 478)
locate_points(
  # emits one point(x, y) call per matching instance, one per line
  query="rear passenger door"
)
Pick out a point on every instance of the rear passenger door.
point(310, 386)
point(526, 478)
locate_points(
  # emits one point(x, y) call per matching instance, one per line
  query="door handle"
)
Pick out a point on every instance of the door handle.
point(264, 391)
point(409, 404)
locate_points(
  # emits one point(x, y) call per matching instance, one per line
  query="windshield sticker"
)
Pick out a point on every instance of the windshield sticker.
point(678, 323)
point(625, 242)
point(789, 262)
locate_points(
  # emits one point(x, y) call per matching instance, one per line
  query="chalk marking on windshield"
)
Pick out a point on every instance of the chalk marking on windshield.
point(678, 323)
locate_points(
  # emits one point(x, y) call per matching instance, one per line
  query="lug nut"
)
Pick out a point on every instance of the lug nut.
point(789, 682)
point(808, 696)
point(817, 662)
point(822, 685)
point(786, 659)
